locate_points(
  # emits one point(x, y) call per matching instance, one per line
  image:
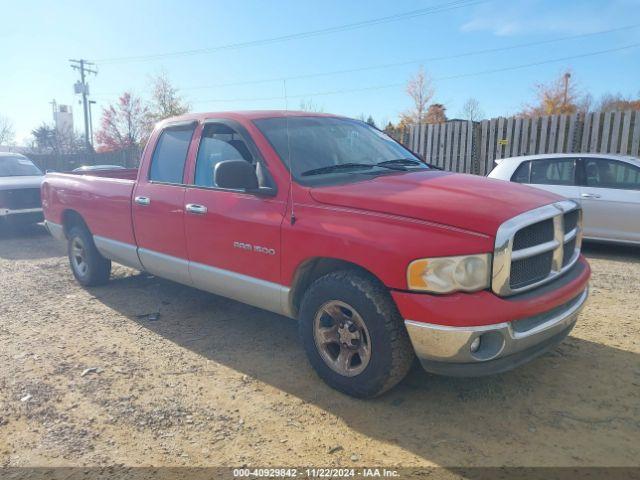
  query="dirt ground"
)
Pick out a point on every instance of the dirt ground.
point(89, 378)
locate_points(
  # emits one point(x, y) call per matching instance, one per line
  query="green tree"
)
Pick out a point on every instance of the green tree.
point(44, 139)
point(47, 139)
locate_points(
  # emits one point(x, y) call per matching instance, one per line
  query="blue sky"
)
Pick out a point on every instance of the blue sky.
point(37, 38)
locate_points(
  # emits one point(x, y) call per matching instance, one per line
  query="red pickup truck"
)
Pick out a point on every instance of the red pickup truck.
point(379, 256)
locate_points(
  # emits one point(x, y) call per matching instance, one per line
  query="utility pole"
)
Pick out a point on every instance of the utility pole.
point(91, 102)
point(567, 76)
point(82, 87)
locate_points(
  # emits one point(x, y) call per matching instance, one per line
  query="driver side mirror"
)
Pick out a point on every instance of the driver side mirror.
point(236, 175)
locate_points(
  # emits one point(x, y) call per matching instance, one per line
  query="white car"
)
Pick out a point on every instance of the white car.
point(607, 186)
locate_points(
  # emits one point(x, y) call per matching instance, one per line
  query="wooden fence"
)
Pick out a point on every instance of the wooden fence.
point(472, 147)
point(66, 162)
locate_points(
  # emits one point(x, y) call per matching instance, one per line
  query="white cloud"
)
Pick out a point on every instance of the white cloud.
point(540, 17)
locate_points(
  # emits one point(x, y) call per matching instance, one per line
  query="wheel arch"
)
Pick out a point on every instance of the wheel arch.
point(71, 218)
point(312, 269)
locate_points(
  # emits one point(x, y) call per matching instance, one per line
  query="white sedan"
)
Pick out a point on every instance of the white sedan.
point(607, 186)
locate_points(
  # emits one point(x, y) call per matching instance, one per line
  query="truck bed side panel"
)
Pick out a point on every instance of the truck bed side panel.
point(103, 203)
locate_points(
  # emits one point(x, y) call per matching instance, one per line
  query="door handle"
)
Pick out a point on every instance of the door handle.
point(196, 209)
point(590, 195)
point(144, 201)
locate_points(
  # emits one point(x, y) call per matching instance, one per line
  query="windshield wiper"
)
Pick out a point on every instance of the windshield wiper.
point(348, 166)
point(338, 167)
point(351, 166)
point(399, 161)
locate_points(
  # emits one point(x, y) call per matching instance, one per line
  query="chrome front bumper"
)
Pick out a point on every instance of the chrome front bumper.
point(5, 212)
point(450, 350)
point(55, 229)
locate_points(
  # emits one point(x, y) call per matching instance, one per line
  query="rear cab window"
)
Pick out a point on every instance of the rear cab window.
point(170, 154)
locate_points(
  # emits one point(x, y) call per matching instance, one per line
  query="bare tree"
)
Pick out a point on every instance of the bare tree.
point(6, 131)
point(165, 101)
point(420, 89)
point(471, 110)
point(615, 102)
point(310, 106)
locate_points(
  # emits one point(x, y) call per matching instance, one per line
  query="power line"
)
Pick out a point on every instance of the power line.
point(411, 62)
point(450, 77)
point(407, 62)
point(296, 36)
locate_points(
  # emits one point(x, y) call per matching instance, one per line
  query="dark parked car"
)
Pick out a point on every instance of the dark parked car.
point(20, 182)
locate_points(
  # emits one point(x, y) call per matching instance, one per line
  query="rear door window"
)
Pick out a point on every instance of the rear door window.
point(553, 171)
point(605, 173)
point(167, 163)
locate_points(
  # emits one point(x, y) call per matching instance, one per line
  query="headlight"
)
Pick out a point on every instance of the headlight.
point(467, 273)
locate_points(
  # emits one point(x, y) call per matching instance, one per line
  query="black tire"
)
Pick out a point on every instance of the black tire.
point(391, 352)
point(95, 269)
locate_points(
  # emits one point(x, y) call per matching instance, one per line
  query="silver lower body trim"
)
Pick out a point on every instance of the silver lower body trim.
point(439, 344)
point(6, 212)
point(119, 252)
point(56, 230)
point(243, 288)
point(165, 266)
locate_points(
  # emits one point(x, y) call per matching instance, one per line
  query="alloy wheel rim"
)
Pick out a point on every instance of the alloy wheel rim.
point(342, 338)
point(78, 257)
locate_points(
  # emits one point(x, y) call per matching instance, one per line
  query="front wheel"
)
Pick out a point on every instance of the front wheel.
point(88, 266)
point(353, 334)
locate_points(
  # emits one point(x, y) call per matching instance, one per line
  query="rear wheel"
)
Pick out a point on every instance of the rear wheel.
point(88, 266)
point(353, 334)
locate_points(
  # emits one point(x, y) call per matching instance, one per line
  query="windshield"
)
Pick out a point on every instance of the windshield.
point(335, 147)
point(17, 166)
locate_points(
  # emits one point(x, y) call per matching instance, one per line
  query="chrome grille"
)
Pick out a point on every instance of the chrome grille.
point(23, 198)
point(536, 246)
point(530, 270)
point(569, 249)
point(532, 235)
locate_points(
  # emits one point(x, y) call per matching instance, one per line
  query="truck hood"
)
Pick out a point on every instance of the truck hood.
point(14, 183)
point(469, 202)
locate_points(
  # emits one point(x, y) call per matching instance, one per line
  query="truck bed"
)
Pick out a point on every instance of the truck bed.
point(124, 174)
point(102, 198)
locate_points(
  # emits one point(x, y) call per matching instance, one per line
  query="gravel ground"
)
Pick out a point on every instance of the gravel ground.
point(91, 378)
